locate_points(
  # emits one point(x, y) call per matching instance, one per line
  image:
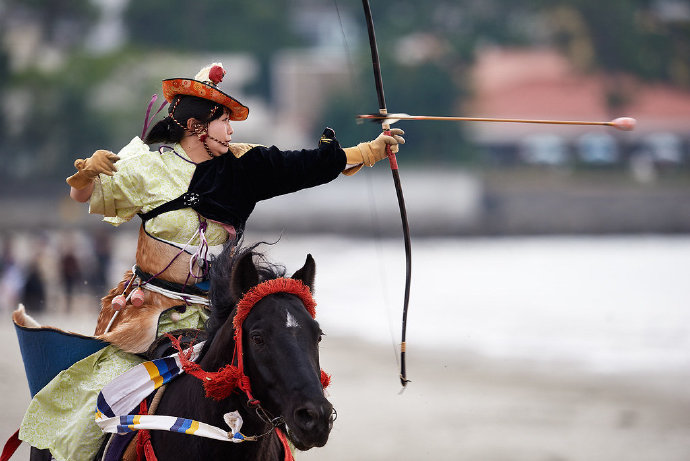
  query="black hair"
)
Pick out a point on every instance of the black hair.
point(222, 301)
point(185, 107)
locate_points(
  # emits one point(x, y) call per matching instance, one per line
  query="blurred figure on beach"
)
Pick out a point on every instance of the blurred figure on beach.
point(34, 292)
point(11, 277)
point(102, 255)
point(70, 270)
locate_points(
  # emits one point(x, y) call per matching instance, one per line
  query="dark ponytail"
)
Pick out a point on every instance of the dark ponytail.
point(164, 131)
point(185, 107)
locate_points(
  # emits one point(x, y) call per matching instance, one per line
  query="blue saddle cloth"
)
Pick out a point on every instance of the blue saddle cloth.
point(47, 351)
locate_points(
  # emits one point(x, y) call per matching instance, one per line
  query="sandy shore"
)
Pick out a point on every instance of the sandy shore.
point(464, 407)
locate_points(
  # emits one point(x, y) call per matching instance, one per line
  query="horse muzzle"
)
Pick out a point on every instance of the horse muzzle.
point(311, 425)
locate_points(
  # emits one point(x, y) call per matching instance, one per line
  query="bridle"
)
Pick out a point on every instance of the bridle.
point(219, 385)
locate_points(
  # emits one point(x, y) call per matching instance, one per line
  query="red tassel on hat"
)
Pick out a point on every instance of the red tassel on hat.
point(216, 74)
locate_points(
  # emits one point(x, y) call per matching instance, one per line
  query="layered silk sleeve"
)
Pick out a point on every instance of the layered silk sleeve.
point(142, 182)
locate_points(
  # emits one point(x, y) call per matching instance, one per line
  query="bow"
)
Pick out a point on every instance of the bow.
point(385, 126)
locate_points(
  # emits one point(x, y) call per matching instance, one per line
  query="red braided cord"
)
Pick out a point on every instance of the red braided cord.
point(286, 445)
point(260, 291)
point(269, 287)
point(220, 384)
point(144, 445)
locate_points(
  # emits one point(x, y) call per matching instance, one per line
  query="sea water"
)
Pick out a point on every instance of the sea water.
point(603, 303)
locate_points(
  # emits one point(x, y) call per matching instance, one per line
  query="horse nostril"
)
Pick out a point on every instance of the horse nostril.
point(306, 418)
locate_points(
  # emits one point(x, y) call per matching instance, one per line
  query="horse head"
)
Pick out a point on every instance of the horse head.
point(278, 351)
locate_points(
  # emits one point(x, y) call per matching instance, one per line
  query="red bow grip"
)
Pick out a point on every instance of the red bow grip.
point(390, 154)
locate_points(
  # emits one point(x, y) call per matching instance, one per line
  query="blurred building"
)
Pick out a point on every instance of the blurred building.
point(539, 83)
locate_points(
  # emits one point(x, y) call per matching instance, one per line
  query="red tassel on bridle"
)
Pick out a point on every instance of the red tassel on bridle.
point(325, 379)
point(220, 384)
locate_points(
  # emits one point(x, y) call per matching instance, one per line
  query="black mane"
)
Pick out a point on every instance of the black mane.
point(222, 300)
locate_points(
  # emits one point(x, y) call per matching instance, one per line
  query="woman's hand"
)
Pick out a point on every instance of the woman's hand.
point(368, 153)
point(101, 162)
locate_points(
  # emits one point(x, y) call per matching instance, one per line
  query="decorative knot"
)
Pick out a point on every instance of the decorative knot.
point(216, 74)
point(191, 199)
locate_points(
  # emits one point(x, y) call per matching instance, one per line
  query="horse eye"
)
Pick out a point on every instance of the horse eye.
point(257, 339)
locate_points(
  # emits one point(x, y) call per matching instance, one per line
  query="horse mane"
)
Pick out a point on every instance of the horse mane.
point(222, 301)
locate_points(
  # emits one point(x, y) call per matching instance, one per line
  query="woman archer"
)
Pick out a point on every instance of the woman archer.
point(193, 196)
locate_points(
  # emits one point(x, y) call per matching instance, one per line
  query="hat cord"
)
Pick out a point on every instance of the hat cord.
point(200, 131)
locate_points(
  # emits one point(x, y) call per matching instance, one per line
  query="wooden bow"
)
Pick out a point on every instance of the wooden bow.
point(385, 126)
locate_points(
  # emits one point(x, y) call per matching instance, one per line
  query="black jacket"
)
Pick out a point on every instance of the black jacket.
point(226, 188)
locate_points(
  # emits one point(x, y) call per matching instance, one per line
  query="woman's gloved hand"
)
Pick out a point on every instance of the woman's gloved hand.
point(101, 162)
point(368, 153)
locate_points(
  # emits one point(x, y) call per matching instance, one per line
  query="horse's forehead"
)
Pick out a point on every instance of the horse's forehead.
point(296, 316)
point(288, 312)
point(290, 320)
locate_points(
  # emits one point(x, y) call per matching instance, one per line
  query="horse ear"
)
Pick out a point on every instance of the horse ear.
point(244, 275)
point(307, 273)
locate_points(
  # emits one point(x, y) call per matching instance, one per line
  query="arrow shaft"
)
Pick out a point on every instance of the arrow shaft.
point(483, 119)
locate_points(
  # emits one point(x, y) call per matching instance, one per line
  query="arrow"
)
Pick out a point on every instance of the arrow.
point(621, 123)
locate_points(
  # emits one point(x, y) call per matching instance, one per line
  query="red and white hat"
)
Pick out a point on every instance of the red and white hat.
point(205, 85)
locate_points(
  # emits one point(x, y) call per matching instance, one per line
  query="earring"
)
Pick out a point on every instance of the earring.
point(200, 132)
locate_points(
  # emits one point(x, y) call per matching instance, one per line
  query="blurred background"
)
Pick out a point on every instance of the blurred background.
point(549, 316)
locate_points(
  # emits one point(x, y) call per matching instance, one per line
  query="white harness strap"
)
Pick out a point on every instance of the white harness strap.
point(187, 298)
point(124, 394)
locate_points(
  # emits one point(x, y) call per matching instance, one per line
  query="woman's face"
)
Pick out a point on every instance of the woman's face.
point(220, 129)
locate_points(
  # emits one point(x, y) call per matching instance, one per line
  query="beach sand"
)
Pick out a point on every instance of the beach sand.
point(461, 406)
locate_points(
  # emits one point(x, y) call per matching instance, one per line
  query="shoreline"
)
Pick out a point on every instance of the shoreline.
point(461, 405)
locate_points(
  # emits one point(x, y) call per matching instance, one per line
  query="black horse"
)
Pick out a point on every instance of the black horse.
point(280, 352)
point(281, 359)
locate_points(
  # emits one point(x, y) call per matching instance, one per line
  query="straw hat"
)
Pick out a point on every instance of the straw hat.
point(205, 85)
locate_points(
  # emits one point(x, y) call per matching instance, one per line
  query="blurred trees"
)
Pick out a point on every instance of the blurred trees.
point(49, 78)
point(61, 22)
point(259, 28)
point(428, 47)
point(44, 85)
point(619, 38)
point(426, 50)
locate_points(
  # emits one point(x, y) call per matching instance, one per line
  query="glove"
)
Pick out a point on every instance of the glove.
point(101, 162)
point(368, 153)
